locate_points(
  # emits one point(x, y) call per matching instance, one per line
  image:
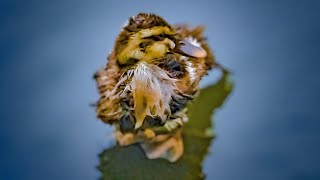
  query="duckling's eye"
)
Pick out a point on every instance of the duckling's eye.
point(144, 44)
point(159, 37)
point(156, 38)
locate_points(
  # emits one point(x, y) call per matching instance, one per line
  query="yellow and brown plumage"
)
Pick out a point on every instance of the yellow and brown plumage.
point(152, 73)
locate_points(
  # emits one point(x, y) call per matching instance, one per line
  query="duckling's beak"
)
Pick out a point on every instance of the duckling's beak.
point(189, 49)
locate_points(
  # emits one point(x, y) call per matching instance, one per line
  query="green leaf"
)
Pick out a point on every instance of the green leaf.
point(131, 163)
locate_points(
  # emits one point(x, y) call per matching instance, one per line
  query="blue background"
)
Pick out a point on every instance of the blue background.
point(268, 129)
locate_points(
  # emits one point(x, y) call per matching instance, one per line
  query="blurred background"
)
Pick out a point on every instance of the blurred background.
point(268, 128)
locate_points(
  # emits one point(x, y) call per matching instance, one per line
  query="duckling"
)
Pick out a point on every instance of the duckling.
point(151, 75)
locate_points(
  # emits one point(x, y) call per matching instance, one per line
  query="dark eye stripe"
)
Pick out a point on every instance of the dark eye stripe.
point(159, 37)
point(145, 44)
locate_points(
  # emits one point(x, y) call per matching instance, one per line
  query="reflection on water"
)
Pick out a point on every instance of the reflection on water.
point(130, 162)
